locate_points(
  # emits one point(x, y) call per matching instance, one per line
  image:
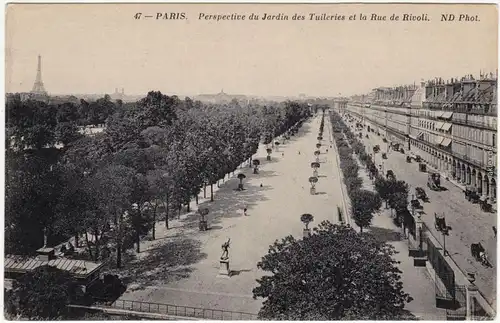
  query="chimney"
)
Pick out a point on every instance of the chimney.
point(428, 90)
point(449, 90)
point(45, 254)
point(467, 86)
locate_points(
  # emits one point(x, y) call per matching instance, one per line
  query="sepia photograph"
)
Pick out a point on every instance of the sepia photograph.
point(225, 161)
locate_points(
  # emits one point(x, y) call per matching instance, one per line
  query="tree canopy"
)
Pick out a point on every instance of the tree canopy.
point(327, 277)
point(159, 151)
point(43, 293)
point(364, 204)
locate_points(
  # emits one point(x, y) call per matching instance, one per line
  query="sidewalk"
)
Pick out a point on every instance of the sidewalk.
point(416, 280)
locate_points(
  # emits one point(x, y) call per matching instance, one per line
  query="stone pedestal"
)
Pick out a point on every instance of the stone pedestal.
point(315, 173)
point(268, 158)
point(255, 170)
point(307, 233)
point(240, 187)
point(313, 191)
point(224, 268)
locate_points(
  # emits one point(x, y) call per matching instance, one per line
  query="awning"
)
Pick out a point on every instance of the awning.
point(420, 135)
point(438, 114)
point(439, 139)
point(446, 142)
point(447, 115)
point(439, 124)
point(446, 126)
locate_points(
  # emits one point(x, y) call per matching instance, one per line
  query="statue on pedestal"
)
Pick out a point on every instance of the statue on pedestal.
point(225, 250)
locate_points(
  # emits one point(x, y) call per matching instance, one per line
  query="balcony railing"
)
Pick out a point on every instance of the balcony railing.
point(477, 124)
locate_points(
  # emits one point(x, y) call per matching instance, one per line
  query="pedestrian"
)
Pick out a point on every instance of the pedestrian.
point(299, 152)
point(260, 184)
point(282, 154)
point(326, 149)
point(245, 211)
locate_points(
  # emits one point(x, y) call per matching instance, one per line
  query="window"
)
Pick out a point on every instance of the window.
point(493, 139)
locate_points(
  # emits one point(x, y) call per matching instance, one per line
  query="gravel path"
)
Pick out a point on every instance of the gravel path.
point(181, 266)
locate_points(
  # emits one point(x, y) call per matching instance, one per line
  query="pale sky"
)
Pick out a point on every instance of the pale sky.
point(95, 48)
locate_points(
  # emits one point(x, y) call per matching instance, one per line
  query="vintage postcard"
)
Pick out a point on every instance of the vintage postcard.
point(251, 161)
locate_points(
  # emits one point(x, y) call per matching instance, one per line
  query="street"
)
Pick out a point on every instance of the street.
point(468, 223)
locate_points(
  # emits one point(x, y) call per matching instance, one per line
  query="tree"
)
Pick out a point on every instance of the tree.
point(157, 109)
point(269, 151)
point(256, 164)
point(241, 177)
point(140, 218)
point(334, 274)
point(44, 293)
point(398, 196)
point(114, 186)
point(382, 186)
point(31, 124)
point(139, 223)
point(66, 133)
point(306, 218)
point(364, 203)
point(313, 180)
point(393, 192)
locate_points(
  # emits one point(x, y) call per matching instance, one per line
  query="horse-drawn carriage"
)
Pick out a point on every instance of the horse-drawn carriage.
point(471, 194)
point(401, 150)
point(485, 205)
point(366, 136)
point(395, 146)
point(418, 159)
point(390, 175)
point(440, 222)
point(420, 193)
point(408, 159)
point(434, 181)
point(478, 252)
point(422, 167)
point(384, 156)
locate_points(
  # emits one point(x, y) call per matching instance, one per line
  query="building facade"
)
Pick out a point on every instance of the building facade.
point(451, 124)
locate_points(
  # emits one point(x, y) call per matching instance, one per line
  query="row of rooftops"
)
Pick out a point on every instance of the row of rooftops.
point(466, 90)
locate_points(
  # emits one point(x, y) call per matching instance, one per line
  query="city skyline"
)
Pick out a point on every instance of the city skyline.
point(94, 53)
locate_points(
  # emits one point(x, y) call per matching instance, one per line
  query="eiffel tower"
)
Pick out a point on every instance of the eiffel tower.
point(38, 88)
